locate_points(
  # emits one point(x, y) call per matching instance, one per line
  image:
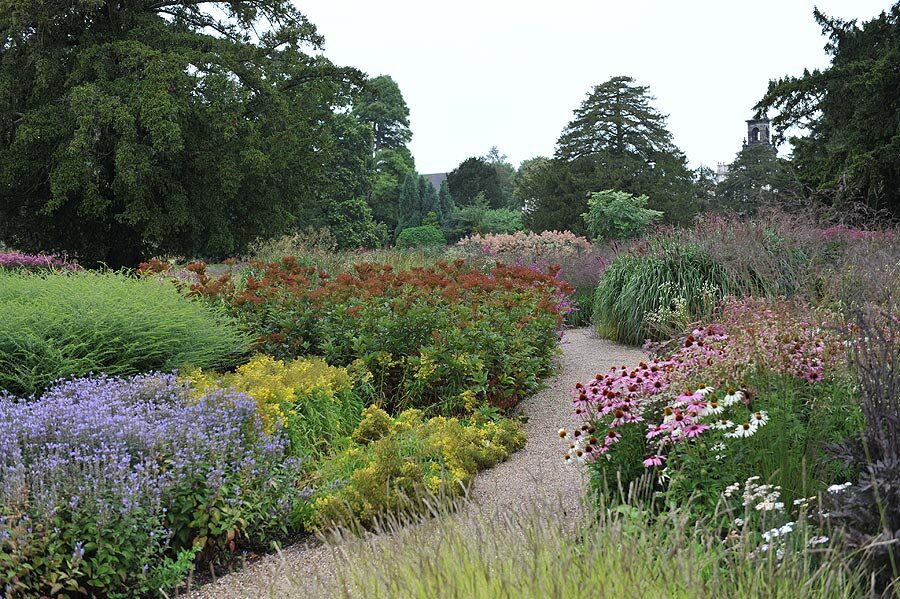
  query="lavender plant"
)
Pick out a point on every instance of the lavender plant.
point(108, 486)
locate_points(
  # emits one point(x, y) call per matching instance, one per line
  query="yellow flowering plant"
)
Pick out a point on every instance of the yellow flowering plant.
point(315, 403)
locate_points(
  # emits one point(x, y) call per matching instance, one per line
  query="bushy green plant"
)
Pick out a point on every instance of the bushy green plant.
point(57, 325)
point(312, 403)
point(650, 293)
point(424, 235)
point(618, 215)
point(394, 465)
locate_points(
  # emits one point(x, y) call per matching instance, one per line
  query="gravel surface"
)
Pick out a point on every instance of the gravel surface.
point(535, 474)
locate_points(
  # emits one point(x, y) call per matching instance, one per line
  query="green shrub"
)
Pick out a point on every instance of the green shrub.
point(394, 465)
point(59, 325)
point(618, 215)
point(420, 236)
point(582, 308)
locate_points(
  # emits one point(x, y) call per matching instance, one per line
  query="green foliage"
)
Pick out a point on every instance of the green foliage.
point(618, 215)
point(130, 129)
point(474, 177)
point(382, 107)
point(850, 112)
point(643, 296)
point(61, 325)
point(424, 235)
point(757, 177)
point(395, 465)
point(617, 140)
point(387, 177)
point(506, 177)
point(352, 225)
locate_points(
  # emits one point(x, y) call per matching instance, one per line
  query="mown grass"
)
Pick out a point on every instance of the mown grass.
point(56, 325)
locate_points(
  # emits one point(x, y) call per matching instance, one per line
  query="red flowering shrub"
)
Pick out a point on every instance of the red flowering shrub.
point(446, 337)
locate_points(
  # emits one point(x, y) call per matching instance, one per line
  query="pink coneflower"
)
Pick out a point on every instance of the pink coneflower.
point(657, 430)
point(694, 430)
point(654, 460)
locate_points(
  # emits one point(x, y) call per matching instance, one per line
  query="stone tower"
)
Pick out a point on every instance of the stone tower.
point(758, 133)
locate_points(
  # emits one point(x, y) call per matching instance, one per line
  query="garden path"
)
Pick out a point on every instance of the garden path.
point(534, 474)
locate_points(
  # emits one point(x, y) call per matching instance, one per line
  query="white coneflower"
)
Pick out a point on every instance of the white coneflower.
point(723, 424)
point(759, 418)
point(742, 430)
point(713, 408)
point(704, 391)
point(732, 397)
point(563, 433)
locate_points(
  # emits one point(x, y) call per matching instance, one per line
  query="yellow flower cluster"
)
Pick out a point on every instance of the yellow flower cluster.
point(396, 464)
point(282, 388)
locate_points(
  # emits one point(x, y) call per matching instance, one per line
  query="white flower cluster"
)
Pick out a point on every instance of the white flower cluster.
point(575, 452)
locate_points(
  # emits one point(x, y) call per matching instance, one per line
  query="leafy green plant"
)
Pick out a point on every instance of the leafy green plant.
point(618, 215)
point(394, 465)
point(56, 325)
point(424, 235)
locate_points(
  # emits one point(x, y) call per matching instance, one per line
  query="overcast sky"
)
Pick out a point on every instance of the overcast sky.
point(479, 73)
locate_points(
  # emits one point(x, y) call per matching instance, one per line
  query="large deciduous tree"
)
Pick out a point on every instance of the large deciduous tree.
point(141, 127)
point(851, 112)
point(616, 140)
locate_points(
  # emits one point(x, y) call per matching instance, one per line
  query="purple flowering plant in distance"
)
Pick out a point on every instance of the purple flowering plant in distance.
point(105, 482)
point(14, 260)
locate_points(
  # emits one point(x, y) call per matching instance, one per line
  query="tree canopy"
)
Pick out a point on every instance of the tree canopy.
point(850, 111)
point(472, 177)
point(382, 107)
point(144, 127)
point(755, 178)
point(616, 140)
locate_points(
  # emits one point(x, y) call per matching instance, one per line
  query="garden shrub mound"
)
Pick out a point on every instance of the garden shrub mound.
point(112, 487)
point(313, 403)
point(446, 338)
point(394, 465)
point(425, 235)
point(34, 262)
point(56, 325)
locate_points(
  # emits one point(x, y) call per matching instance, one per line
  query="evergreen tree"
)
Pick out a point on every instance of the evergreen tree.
point(428, 197)
point(850, 111)
point(382, 107)
point(617, 140)
point(446, 206)
point(757, 177)
point(472, 177)
point(410, 210)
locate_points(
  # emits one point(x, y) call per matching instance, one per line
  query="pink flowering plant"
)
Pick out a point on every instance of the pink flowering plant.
point(757, 393)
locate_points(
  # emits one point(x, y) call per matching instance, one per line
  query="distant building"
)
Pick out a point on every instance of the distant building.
point(436, 179)
point(758, 133)
point(721, 172)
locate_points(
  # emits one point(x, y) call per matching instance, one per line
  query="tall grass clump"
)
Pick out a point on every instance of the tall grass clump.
point(56, 325)
point(649, 293)
point(532, 552)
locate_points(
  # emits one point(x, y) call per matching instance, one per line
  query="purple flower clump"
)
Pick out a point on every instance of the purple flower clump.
point(12, 260)
point(123, 453)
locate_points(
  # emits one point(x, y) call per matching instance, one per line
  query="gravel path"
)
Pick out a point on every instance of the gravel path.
point(534, 474)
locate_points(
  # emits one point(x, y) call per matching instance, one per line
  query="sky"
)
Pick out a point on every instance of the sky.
point(483, 73)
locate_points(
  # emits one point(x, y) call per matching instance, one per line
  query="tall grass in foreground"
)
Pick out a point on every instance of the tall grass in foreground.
point(540, 553)
point(58, 325)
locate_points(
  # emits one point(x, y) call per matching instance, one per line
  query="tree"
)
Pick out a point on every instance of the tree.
point(850, 111)
point(617, 140)
point(756, 177)
point(410, 210)
point(387, 175)
point(704, 187)
point(618, 215)
point(506, 175)
point(472, 177)
point(382, 107)
point(135, 128)
point(446, 206)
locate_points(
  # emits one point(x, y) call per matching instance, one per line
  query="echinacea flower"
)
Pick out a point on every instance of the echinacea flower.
point(723, 424)
point(694, 430)
point(654, 460)
point(704, 391)
point(732, 397)
point(742, 430)
point(713, 408)
point(759, 418)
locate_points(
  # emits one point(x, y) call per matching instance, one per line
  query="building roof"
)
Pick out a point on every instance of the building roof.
point(436, 179)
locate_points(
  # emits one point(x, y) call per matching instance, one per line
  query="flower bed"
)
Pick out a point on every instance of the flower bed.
point(758, 393)
point(445, 339)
